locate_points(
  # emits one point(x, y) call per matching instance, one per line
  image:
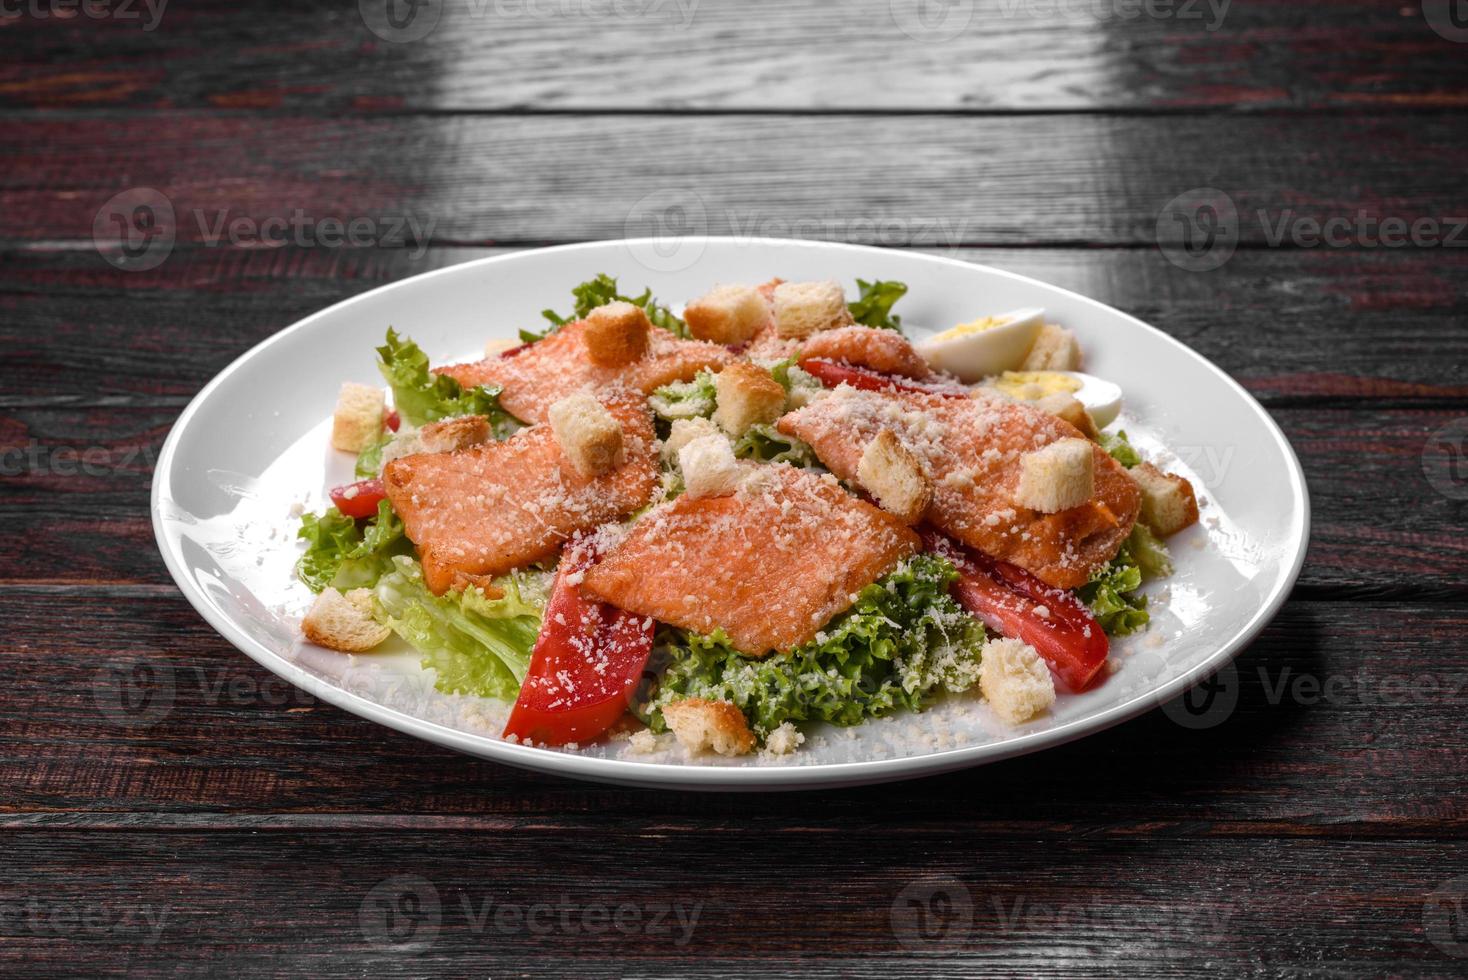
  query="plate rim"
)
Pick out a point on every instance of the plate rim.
point(748, 778)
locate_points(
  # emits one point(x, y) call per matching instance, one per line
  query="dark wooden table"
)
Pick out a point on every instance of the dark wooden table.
point(230, 823)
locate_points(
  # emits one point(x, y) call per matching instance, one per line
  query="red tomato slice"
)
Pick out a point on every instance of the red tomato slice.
point(1006, 598)
point(586, 663)
point(831, 374)
point(393, 420)
point(359, 499)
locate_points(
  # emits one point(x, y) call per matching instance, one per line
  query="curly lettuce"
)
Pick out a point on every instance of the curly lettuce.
point(903, 642)
point(686, 399)
point(767, 444)
point(420, 396)
point(346, 554)
point(599, 292)
point(475, 644)
point(1111, 593)
point(1120, 448)
point(874, 307)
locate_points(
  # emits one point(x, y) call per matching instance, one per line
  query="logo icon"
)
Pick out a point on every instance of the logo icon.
point(932, 21)
point(134, 230)
point(1445, 917)
point(401, 21)
point(937, 910)
point(1208, 703)
point(1198, 230)
point(139, 695)
point(1445, 460)
point(1449, 18)
point(665, 226)
point(401, 913)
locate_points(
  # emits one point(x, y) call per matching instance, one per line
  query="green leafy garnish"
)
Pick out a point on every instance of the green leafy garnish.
point(686, 399)
point(903, 642)
point(369, 460)
point(767, 444)
point(874, 307)
point(475, 645)
point(599, 292)
point(420, 396)
point(1120, 448)
point(1111, 593)
point(344, 554)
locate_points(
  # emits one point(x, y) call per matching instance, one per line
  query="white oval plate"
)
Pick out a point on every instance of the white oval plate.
point(252, 449)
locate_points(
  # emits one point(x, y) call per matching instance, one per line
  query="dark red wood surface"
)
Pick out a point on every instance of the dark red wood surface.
point(1315, 828)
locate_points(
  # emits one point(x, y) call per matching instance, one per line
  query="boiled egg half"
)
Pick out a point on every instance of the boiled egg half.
point(1101, 398)
point(985, 347)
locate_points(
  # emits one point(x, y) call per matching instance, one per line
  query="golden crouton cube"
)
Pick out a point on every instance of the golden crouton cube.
point(1168, 501)
point(702, 725)
point(1015, 681)
point(1069, 409)
point(344, 622)
point(588, 434)
point(709, 467)
point(804, 308)
point(895, 478)
point(616, 334)
point(451, 435)
point(727, 315)
point(357, 422)
point(747, 395)
point(1056, 349)
point(1057, 477)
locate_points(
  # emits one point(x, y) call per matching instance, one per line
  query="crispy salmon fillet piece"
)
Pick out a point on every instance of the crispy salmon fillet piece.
point(971, 449)
point(770, 564)
point(494, 507)
point(548, 370)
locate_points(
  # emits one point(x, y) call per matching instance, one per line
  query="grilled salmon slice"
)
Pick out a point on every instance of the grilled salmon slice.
point(489, 509)
point(971, 449)
point(881, 350)
point(770, 564)
point(537, 377)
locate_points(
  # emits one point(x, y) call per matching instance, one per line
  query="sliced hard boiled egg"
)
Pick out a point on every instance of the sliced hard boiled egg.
point(1101, 398)
point(985, 347)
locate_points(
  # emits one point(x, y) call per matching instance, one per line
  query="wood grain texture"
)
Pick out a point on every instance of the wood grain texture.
point(931, 181)
point(756, 54)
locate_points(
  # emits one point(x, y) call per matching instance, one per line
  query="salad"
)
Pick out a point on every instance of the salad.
point(771, 511)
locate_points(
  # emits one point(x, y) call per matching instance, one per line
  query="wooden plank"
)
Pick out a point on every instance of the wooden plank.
point(758, 54)
point(932, 181)
point(1349, 719)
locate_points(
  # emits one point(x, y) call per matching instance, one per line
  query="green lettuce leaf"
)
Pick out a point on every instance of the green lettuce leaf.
point(874, 307)
point(903, 641)
point(342, 553)
point(420, 396)
point(1111, 593)
point(767, 444)
point(686, 399)
point(599, 292)
point(1120, 448)
point(476, 645)
point(369, 460)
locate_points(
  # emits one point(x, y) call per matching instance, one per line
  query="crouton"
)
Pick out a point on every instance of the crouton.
point(709, 467)
point(895, 478)
point(1058, 477)
point(784, 740)
point(727, 315)
point(1056, 349)
point(616, 334)
point(702, 725)
point(805, 308)
point(498, 345)
point(1168, 501)
point(451, 435)
point(747, 395)
point(344, 622)
point(588, 434)
point(1068, 407)
point(357, 422)
point(685, 431)
point(1015, 681)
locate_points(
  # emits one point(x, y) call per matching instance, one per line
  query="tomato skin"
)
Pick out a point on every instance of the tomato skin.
point(586, 664)
point(832, 373)
point(393, 421)
point(1005, 598)
point(359, 499)
point(516, 351)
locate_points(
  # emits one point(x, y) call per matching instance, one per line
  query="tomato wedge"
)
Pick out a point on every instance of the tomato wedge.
point(1008, 599)
point(832, 373)
point(394, 421)
point(359, 499)
point(585, 665)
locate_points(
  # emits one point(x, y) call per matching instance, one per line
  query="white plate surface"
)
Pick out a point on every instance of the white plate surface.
point(252, 449)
